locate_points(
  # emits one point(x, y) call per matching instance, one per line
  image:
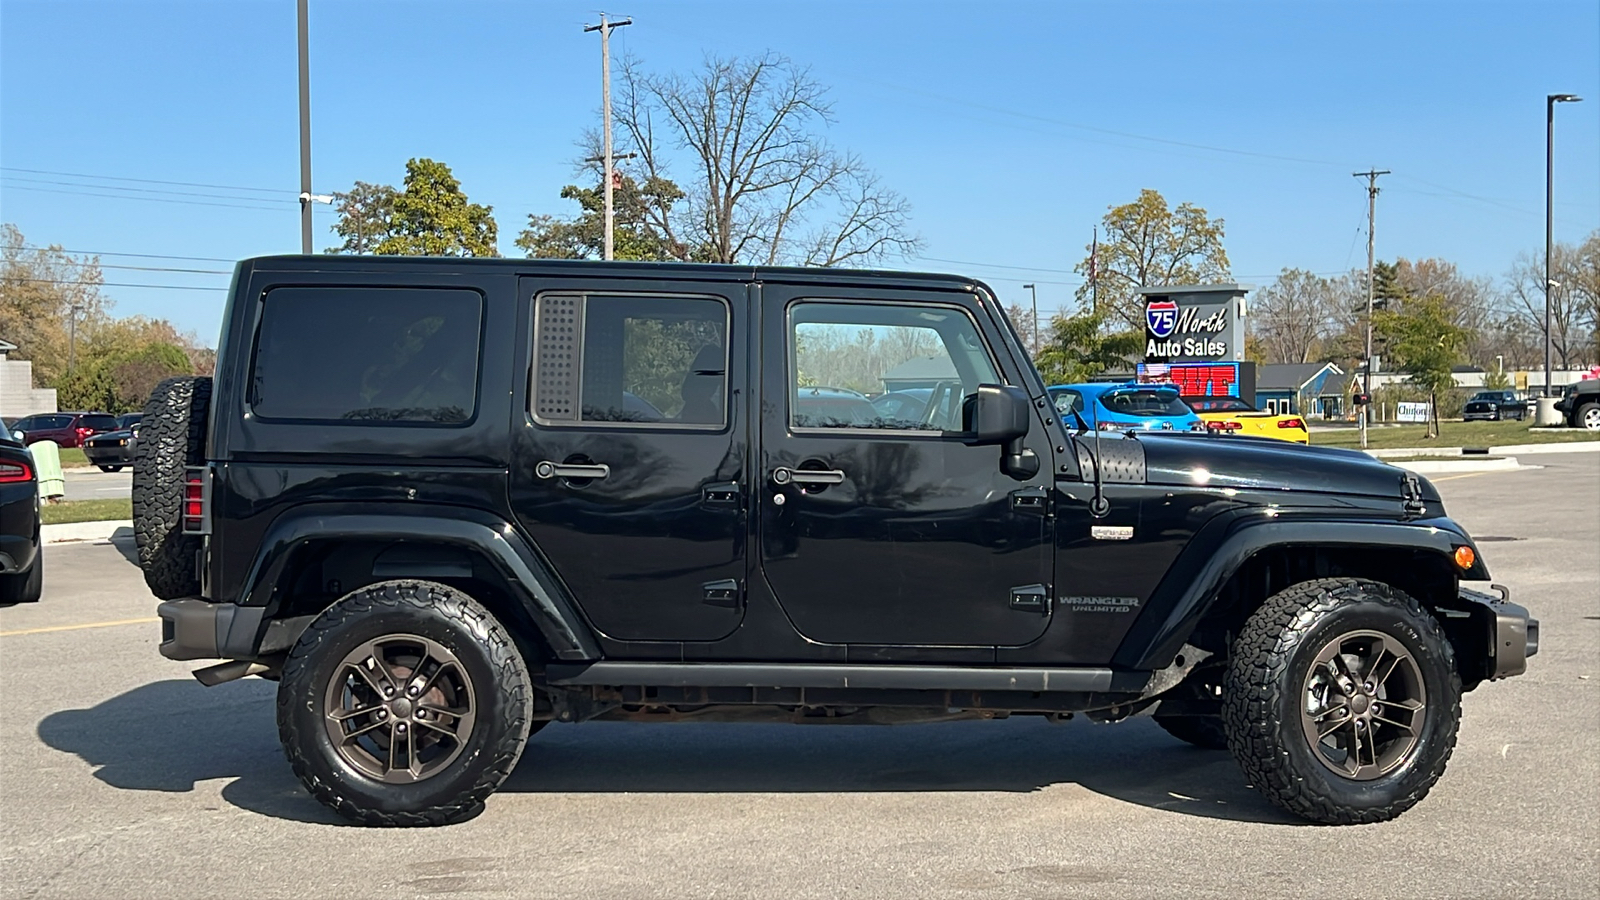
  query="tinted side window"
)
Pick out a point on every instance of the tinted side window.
point(402, 355)
point(44, 422)
point(842, 354)
point(630, 360)
point(98, 423)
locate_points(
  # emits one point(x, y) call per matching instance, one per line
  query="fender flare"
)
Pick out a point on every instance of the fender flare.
point(1193, 583)
point(531, 582)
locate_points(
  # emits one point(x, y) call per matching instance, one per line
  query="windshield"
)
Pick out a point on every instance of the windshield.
point(1218, 404)
point(1144, 402)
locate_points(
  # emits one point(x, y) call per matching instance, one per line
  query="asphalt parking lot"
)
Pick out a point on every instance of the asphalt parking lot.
point(122, 777)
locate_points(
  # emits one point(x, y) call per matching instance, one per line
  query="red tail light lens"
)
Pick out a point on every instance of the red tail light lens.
point(1292, 423)
point(1223, 426)
point(13, 472)
point(196, 496)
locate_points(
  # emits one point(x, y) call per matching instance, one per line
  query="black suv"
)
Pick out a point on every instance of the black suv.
point(1580, 404)
point(446, 502)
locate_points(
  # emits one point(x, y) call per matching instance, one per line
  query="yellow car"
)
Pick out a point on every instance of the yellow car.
point(1230, 415)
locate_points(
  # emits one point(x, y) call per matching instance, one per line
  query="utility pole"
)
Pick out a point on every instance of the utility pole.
point(1094, 272)
point(1550, 102)
point(1035, 291)
point(72, 336)
point(605, 28)
point(305, 131)
point(1371, 175)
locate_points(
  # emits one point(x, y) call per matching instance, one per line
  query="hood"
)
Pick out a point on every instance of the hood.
point(1249, 463)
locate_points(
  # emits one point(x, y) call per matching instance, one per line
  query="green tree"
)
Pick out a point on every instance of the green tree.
point(366, 213)
point(47, 294)
point(122, 381)
point(634, 234)
point(432, 217)
point(1079, 347)
point(1423, 342)
point(1146, 244)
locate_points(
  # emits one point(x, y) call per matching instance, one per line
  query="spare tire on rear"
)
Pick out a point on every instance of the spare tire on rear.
point(172, 437)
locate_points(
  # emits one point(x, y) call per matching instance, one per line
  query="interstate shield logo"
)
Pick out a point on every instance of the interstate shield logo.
point(1162, 317)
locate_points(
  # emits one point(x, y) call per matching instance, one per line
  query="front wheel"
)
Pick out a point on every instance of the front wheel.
point(1342, 701)
point(404, 704)
point(1588, 416)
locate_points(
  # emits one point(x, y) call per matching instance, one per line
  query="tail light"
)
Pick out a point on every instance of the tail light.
point(1223, 426)
point(83, 431)
point(1292, 423)
point(1111, 426)
point(12, 472)
point(197, 500)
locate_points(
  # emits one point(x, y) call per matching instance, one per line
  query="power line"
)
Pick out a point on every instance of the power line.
point(107, 253)
point(225, 187)
point(145, 199)
point(118, 187)
point(164, 287)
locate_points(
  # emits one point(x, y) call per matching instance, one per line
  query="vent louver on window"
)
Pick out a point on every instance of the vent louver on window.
point(557, 354)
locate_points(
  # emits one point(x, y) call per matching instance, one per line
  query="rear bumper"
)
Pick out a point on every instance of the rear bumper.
point(1512, 634)
point(199, 629)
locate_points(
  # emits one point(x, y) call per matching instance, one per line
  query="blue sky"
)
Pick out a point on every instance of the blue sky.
point(1010, 127)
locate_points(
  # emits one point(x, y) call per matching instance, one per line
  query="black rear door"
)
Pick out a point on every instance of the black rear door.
point(885, 527)
point(628, 466)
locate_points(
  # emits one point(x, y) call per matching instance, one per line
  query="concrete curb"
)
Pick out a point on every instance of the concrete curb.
point(86, 531)
point(1465, 464)
point(1571, 447)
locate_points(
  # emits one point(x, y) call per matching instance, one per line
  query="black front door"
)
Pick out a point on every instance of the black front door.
point(629, 465)
point(878, 523)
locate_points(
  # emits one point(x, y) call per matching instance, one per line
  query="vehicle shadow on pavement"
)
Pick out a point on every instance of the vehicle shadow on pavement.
point(1135, 762)
point(170, 736)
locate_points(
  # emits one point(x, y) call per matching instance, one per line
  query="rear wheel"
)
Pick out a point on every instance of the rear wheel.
point(1342, 701)
point(404, 704)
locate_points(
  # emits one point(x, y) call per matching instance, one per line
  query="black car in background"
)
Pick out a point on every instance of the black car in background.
point(114, 449)
point(21, 564)
point(1494, 406)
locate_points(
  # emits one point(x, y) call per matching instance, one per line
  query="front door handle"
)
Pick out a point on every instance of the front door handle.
point(785, 475)
point(547, 469)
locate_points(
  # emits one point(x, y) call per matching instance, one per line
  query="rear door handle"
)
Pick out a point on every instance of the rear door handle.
point(547, 469)
point(785, 475)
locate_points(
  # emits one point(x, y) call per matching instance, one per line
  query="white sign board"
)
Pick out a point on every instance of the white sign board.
point(1412, 412)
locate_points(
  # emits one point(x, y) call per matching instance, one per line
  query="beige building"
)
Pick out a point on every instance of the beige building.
point(18, 396)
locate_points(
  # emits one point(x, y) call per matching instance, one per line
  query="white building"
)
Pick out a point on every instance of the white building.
point(18, 396)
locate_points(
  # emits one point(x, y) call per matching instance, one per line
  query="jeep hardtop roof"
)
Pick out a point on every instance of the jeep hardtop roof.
point(637, 270)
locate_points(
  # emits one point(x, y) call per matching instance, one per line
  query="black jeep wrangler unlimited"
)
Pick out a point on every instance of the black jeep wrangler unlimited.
point(446, 502)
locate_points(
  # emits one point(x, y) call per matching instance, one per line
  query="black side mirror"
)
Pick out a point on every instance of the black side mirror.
point(1001, 414)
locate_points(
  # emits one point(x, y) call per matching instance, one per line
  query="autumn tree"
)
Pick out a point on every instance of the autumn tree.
point(1292, 317)
point(1146, 244)
point(45, 295)
point(634, 235)
point(742, 139)
point(1423, 342)
point(1081, 346)
point(365, 215)
point(429, 216)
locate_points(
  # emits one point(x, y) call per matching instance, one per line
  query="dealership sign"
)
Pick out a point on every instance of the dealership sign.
point(1194, 323)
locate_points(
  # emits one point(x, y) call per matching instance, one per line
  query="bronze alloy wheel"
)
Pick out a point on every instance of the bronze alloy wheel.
point(399, 708)
point(1363, 705)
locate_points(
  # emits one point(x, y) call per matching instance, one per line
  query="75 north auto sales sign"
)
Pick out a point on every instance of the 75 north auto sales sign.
point(1193, 326)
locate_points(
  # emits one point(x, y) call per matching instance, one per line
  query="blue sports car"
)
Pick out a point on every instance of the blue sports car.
point(1125, 407)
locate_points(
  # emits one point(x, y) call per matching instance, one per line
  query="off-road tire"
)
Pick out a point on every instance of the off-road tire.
point(172, 437)
point(23, 587)
point(1205, 732)
point(1263, 698)
point(501, 689)
point(110, 468)
point(1582, 417)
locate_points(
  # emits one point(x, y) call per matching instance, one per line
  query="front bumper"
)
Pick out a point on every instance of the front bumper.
point(108, 456)
point(1512, 635)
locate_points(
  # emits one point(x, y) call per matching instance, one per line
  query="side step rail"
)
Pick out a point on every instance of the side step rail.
point(876, 677)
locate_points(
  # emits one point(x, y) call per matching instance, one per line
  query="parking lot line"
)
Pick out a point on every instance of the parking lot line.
point(24, 631)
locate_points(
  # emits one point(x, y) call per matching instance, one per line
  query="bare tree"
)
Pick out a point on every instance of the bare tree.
point(1571, 312)
point(1292, 316)
point(739, 137)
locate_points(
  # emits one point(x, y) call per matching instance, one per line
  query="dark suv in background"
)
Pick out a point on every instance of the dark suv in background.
point(446, 502)
point(67, 429)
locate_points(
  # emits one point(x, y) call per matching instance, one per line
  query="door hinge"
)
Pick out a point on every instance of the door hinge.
point(724, 593)
point(1031, 598)
point(1034, 499)
point(723, 494)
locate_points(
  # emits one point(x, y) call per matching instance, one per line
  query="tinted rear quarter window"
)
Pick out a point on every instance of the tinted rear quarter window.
point(368, 355)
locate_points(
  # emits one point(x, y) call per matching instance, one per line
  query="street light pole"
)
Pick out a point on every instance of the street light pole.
point(1030, 288)
point(305, 130)
point(1550, 102)
point(605, 28)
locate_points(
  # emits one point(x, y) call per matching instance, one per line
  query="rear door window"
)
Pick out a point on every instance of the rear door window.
point(1144, 403)
point(98, 423)
point(368, 355)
